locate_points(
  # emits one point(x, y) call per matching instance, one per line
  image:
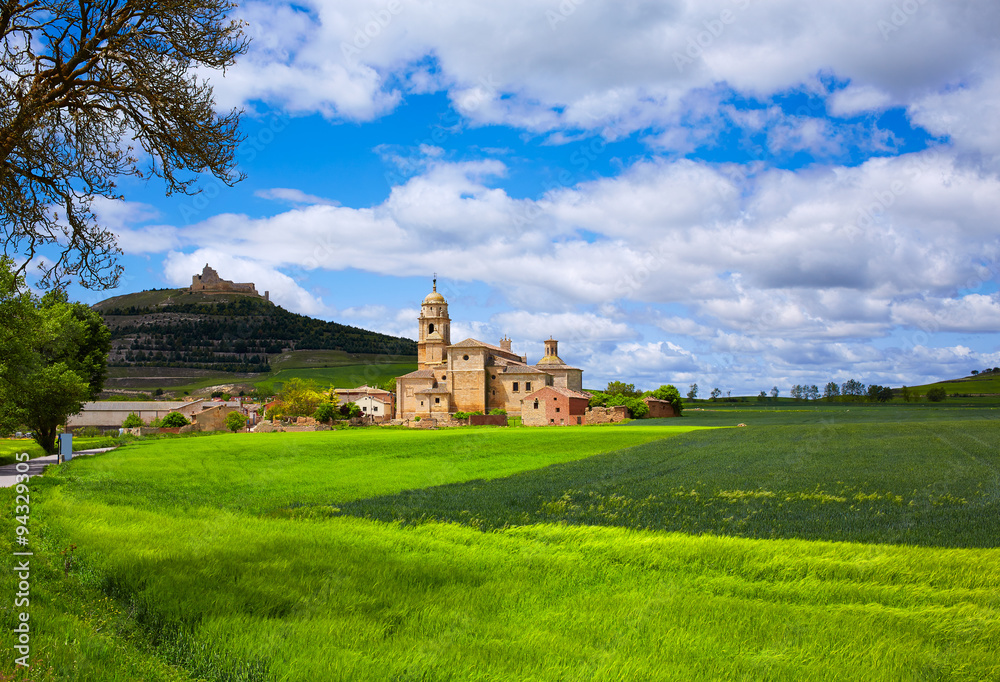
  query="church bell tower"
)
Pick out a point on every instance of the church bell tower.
point(434, 332)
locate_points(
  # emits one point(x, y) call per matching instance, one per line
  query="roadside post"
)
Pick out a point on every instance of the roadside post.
point(65, 447)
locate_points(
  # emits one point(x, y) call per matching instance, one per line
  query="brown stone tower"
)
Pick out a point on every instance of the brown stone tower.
point(435, 331)
point(551, 353)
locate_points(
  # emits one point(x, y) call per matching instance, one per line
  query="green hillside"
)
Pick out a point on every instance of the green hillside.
point(985, 383)
point(174, 328)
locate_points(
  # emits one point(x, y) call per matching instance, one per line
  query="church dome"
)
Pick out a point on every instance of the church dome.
point(434, 296)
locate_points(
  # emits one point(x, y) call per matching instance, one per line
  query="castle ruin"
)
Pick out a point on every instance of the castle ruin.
point(209, 282)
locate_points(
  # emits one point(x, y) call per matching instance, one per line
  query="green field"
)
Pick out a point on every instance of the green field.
point(513, 554)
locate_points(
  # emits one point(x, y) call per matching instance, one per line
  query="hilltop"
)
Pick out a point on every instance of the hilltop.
point(224, 331)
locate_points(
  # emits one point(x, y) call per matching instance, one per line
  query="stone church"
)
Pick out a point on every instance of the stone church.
point(471, 375)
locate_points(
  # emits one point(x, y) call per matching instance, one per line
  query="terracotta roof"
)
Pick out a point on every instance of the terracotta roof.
point(520, 369)
point(366, 389)
point(420, 374)
point(561, 391)
point(475, 343)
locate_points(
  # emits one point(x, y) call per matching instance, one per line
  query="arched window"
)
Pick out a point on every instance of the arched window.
point(430, 328)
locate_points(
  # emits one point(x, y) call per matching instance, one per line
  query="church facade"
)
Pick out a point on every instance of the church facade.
point(472, 375)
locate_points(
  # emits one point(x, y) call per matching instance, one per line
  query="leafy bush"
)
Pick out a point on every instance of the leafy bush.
point(325, 412)
point(133, 421)
point(235, 421)
point(937, 394)
point(461, 415)
point(498, 411)
point(173, 420)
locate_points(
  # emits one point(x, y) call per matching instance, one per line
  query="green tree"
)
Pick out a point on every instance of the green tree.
point(937, 394)
point(620, 388)
point(133, 421)
point(235, 421)
point(326, 412)
point(831, 391)
point(82, 83)
point(57, 360)
point(774, 393)
point(715, 394)
point(174, 420)
point(762, 397)
point(905, 392)
point(350, 410)
point(692, 391)
point(670, 393)
point(299, 397)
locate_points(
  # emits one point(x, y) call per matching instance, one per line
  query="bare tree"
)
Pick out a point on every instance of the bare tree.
point(94, 90)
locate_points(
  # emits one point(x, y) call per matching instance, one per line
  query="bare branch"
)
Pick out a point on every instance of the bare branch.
point(105, 72)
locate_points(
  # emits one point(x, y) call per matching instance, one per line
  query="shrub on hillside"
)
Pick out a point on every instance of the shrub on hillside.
point(937, 394)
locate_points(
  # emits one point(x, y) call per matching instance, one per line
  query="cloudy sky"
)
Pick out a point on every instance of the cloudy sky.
point(738, 193)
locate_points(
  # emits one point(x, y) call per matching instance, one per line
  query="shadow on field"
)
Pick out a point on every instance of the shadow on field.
point(931, 484)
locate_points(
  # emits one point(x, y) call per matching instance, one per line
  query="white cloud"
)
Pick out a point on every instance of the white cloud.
point(352, 59)
point(293, 196)
point(858, 99)
point(284, 291)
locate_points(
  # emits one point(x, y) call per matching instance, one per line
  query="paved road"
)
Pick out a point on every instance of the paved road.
point(9, 472)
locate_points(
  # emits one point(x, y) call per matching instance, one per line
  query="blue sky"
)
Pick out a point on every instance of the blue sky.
point(738, 193)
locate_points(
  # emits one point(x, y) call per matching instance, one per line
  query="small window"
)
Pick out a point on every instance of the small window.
point(494, 391)
point(430, 328)
point(515, 387)
point(466, 357)
point(536, 403)
point(438, 401)
point(365, 409)
point(527, 385)
point(552, 421)
point(444, 377)
point(421, 402)
point(493, 376)
point(375, 409)
point(558, 409)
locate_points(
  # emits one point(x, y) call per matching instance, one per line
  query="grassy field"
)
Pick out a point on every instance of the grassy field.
point(11, 446)
point(250, 557)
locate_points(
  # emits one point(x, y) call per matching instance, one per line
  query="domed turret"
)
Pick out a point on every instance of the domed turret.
point(434, 335)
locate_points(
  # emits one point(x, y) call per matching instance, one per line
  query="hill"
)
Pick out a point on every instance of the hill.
point(985, 383)
point(228, 332)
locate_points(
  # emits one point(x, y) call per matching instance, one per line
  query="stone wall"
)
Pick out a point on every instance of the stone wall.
point(488, 420)
point(659, 409)
point(606, 415)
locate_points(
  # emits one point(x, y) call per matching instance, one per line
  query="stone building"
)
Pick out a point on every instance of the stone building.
point(209, 282)
point(471, 375)
point(555, 406)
